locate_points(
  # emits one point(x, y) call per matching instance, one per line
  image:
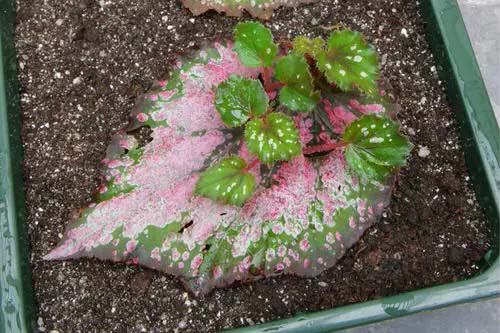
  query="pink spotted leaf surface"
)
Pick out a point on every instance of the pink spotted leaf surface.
point(304, 214)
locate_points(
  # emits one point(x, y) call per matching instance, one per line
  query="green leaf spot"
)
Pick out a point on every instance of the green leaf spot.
point(237, 98)
point(348, 60)
point(302, 45)
point(375, 146)
point(298, 94)
point(254, 44)
point(275, 139)
point(227, 182)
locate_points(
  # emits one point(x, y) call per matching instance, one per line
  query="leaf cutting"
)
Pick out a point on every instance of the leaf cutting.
point(259, 164)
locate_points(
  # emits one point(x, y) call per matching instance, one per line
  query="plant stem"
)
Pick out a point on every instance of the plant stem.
point(286, 45)
point(252, 164)
point(266, 76)
point(324, 147)
point(312, 65)
point(273, 86)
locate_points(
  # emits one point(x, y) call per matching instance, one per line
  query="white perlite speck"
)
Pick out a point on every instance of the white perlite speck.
point(40, 323)
point(404, 32)
point(424, 151)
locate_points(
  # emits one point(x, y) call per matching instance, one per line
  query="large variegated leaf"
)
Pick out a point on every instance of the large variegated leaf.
point(303, 216)
point(259, 8)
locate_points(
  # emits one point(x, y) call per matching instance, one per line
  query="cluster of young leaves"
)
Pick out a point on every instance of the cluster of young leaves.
point(373, 145)
point(345, 59)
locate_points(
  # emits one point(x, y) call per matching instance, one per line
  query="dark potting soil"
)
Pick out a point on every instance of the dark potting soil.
point(82, 65)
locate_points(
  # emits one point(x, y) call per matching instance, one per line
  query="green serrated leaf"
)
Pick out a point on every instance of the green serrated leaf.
point(254, 44)
point(299, 93)
point(275, 139)
point(302, 45)
point(349, 60)
point(237, 98)
point(226, 181)
point(375, 146)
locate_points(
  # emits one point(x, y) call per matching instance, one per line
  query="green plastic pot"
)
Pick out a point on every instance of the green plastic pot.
point(479, 136)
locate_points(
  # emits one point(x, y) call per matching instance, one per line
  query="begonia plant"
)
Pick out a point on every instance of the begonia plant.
point(266, 158)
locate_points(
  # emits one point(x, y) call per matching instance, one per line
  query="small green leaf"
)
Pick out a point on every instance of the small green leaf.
point(226, 181)
point(298, 94)
point(302, 45)
point(275, 139)
point(348, 60)
point(237, 98)
point(254, 44)
point(375, 146)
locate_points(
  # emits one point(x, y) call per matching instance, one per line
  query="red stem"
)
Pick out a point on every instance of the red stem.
point(312, 65)
point(286, 45)
point(307, 151)
point(323, 147)
point(273, 86)
point(252, 164)
point(266, 76)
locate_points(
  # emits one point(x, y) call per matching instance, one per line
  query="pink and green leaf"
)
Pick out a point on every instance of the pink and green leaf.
point(302, 217)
